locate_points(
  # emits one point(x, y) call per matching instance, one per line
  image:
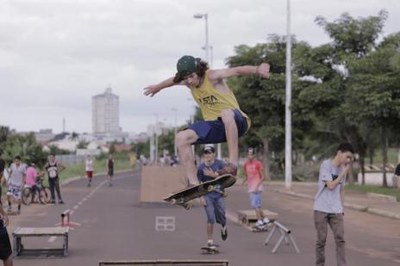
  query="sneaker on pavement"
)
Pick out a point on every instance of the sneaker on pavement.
point(266, 221)
point(224, 233)
point(260, 224)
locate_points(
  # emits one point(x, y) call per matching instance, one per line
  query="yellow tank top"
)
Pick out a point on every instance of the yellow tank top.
point(212, 101)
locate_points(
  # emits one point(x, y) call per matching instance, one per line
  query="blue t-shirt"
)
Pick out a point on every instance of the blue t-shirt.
point(217, 165)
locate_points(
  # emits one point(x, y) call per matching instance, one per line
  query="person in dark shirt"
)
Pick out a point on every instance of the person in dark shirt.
point(215, 202)
point(110, 169)
point(5, 245)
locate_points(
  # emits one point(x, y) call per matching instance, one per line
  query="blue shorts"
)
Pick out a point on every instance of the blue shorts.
point(215, 209)
point(255, 199)
point(214, 131)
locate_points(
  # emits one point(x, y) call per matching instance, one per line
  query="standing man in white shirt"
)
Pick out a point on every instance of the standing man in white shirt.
point(328, 204)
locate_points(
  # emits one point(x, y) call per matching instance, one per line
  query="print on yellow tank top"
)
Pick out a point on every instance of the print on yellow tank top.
point(212, 102)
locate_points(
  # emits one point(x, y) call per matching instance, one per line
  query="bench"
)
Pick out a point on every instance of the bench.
point(249, 216)
point(23, 232)
point(166, 262)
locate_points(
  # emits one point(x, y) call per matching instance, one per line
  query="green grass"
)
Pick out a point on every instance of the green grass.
point(389, 191)
point(121, 162)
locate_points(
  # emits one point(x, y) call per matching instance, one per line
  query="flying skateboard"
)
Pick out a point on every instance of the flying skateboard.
point(182, 197)
point(210, 249)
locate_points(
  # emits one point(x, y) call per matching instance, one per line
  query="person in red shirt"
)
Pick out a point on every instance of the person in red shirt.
point(254, 176)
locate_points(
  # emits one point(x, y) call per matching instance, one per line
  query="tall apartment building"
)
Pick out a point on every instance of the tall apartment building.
point(105, 113)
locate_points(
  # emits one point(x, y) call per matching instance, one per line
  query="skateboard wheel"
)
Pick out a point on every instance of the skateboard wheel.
point(172, 201)
point(180, 201)
point(210, 188)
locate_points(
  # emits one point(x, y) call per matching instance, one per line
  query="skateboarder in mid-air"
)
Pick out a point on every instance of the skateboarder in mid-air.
point(214, 201)
point(224, 121)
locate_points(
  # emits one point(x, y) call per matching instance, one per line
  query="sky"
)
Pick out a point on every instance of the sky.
point(56, 54)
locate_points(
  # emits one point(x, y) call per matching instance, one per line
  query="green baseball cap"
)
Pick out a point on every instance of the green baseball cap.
point(186, 65)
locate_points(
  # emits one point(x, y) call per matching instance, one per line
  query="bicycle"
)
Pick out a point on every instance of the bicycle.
point(42, 193)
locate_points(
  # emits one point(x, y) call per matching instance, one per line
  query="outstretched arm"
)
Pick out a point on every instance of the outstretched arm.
point(261, 70)
point(153, 89)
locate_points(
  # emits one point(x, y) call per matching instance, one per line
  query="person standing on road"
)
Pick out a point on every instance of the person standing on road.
point(214, 201)
point(5, 245)
point(2, 179)
point(53, 169)
point(110, 169)
point(31, 179)
point(89, 169)
point(396, 177)
point(328, 203)
point(224, 120)
point(253, 171)
point(16, 183)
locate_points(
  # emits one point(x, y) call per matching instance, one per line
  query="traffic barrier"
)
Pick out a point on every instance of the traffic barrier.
point(286, 234)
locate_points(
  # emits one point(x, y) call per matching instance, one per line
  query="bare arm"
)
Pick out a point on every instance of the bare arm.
point(332, 184)
point(262, 177)
point(4, 215)
point(261, 70)
point(155, 88)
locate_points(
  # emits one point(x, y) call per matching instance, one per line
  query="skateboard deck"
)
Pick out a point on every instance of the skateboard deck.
point(210, 250)
point(183, 196)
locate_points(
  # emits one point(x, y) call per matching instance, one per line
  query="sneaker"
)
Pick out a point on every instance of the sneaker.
point(229, 168)
point(52, 202)
point(260, 224)
point(266, 221)
point(210, 244)
point(224, 233)
point(60, 202)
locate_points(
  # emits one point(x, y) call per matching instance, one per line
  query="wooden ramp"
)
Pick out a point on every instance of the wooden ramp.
point(157, 182)
point(167, 262)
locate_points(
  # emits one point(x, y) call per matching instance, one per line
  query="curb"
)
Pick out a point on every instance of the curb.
point(353, 206)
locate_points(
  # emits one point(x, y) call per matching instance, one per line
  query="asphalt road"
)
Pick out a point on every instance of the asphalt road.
point(115, 226)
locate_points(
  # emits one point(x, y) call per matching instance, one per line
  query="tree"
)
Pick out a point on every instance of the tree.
point(24, 146)
point(264, 100)
point(329, 100)
point(375, 91)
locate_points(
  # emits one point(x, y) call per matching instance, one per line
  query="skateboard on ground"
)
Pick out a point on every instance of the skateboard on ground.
point(218, 185)
point(210, 249)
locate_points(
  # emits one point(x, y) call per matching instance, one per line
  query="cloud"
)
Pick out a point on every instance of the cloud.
point(55, 55)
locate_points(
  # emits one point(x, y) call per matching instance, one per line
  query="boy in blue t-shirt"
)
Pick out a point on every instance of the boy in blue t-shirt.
point(215, 203)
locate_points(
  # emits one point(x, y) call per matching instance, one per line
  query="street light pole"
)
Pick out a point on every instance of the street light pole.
point(175, 125)
point(207, 46)
point(288, 114)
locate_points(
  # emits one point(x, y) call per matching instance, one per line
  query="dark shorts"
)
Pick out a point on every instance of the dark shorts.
point(110, 171)
point(5, 246)
point(214, 131)
point(89, 174)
